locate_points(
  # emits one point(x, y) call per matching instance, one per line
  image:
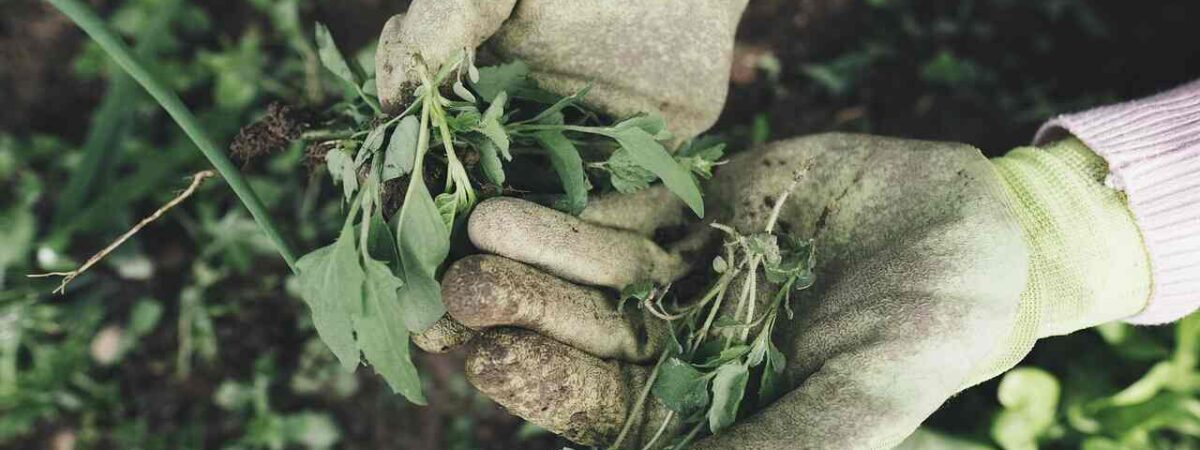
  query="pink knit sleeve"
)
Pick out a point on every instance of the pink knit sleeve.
point(1152, 146)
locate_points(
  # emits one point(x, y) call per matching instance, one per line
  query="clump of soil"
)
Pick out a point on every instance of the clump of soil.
point(279, 127)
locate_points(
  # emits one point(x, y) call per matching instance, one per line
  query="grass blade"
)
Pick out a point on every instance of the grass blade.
point(85, 18)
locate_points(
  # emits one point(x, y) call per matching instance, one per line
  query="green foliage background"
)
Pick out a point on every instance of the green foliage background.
point(192, 335)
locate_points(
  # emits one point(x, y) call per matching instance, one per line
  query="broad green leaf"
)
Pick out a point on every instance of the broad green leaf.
point(424, 241)
point(490, 125)
point(728, 388)
point(332, 58)
point(681, 388)
point(331, 282)
point(502, 78)
point(489, 159)
point(383, 338)
point(648, 153)
point(401, 151)
point(564, 157)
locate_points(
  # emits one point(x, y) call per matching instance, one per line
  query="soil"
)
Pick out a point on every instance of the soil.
point(1141, 50)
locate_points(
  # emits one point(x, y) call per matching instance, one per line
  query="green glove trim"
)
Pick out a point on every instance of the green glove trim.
point(1087, 265)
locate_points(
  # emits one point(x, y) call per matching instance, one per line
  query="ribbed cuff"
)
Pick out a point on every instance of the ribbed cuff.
point(1152, 147)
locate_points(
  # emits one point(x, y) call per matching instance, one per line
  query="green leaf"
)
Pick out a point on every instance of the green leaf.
point(490, 125)
point(349, 181)
point(447, 206)
point(561, 104)
point(1030, 398)
point(728, 388)
point(648, 153)
point(795, 261)
point(462, 92)
point(374, 139)
point(502, 78)
point(466, 120)
point(564, 157)
point(639, 292)
point(341, 168)
point(772, 387)
point(728, 355)
point(332, 58)
point(625, 175)
point(700, 156)
point(681, 388)
point(331, 282)
point(489, 159)
point(401, 151)
point(652, 124)
point(381, 243)
point(383, 339)
point(424, 241)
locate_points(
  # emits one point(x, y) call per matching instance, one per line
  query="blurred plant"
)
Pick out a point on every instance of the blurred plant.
point(1160, 410)
point(267, 428)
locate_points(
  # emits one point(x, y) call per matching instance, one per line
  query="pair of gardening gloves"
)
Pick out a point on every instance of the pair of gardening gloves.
point(936, 267)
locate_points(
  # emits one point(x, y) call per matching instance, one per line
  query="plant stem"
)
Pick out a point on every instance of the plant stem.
point(637, 407)
point(661, 429)
point(85, 18)
point(581, 129)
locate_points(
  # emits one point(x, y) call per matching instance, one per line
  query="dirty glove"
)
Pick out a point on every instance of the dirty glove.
point(669, 57)
point(937, 269)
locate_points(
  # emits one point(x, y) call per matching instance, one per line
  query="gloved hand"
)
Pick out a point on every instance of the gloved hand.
point(937, 269)
point(667, 57)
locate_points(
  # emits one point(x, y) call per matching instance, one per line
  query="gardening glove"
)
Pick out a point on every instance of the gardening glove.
point(668, 57)
point(936, 269)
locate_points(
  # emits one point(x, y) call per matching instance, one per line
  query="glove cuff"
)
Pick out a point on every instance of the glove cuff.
point(1087, 263)
point(1152, 147)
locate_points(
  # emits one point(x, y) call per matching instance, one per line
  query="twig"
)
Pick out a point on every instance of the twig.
point(197, 178)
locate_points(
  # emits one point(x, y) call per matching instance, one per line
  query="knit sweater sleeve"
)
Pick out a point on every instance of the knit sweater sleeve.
point(1152, 146)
